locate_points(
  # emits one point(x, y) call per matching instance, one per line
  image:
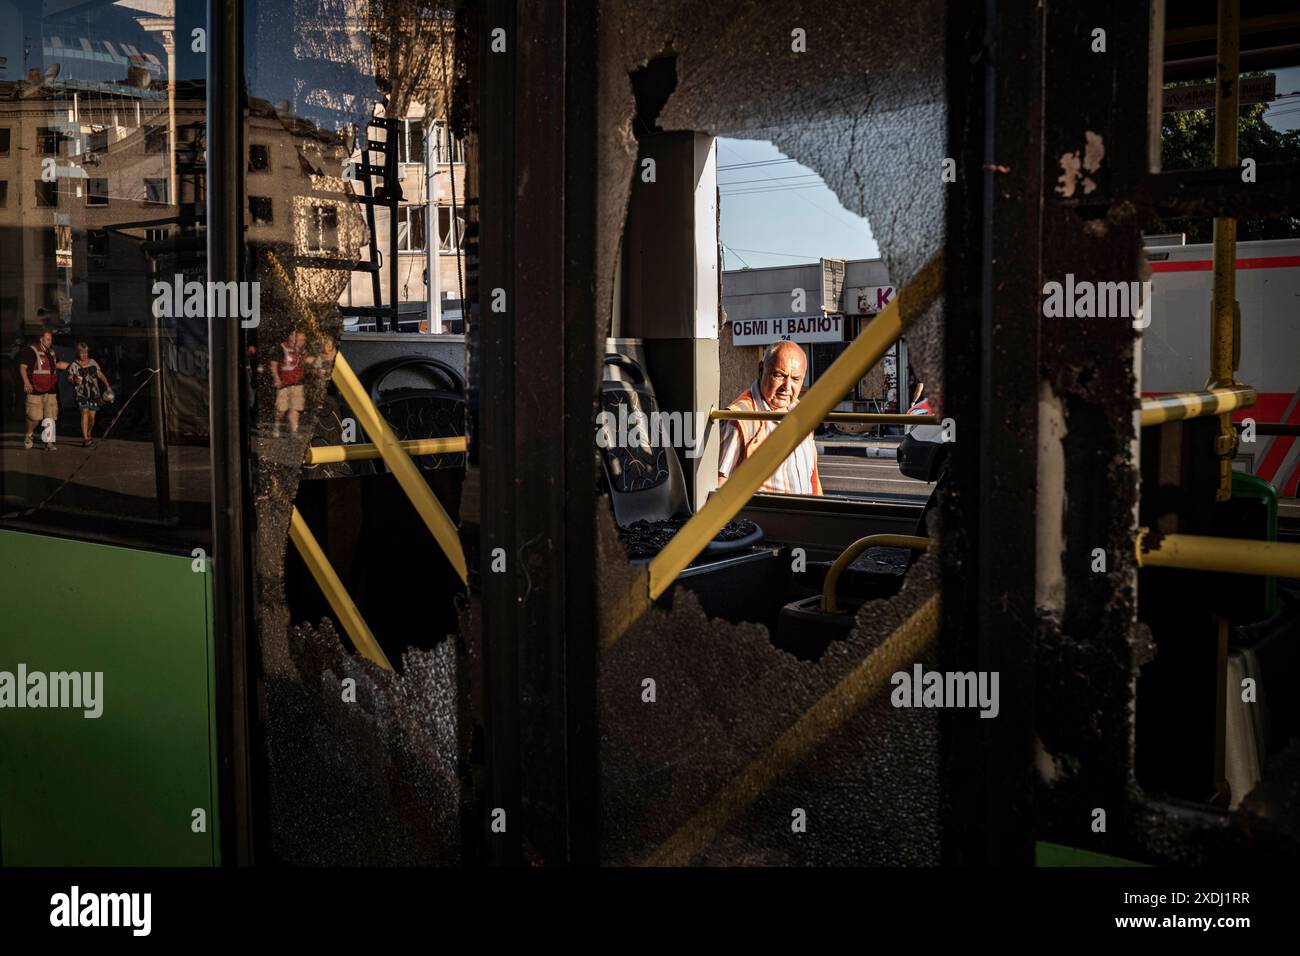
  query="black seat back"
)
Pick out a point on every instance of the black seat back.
point(645, 480)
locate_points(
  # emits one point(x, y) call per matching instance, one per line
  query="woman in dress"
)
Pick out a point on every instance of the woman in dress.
point(86, 376)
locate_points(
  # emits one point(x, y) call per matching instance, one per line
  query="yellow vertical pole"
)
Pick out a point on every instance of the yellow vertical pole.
point(1223, 331)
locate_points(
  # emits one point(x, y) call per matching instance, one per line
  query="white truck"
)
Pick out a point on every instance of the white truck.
point(1175, 350)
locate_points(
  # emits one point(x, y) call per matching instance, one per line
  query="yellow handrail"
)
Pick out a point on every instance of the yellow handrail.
point(335, 593)
point(856, 548)
point(1181, 405)
point(399, 463)
point(860, 418)
point(1194, 552)
point(830, 388)
point(332, 454)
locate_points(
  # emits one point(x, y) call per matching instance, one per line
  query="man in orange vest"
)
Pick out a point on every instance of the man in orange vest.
point(780, 377)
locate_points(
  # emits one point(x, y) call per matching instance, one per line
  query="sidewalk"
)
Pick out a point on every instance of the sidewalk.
point(113, 476)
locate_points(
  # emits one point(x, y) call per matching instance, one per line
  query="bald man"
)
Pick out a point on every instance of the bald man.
point(780, 377)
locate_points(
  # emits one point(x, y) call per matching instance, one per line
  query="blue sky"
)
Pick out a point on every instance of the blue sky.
point(1284, 113)
point(776, 212)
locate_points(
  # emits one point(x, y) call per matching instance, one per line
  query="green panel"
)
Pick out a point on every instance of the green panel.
point(121, 788)
point(1054, 854)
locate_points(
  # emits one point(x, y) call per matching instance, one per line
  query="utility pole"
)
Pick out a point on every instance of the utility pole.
point(433, 281)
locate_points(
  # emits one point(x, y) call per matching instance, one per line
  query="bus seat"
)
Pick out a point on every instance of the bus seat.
point(645, 480)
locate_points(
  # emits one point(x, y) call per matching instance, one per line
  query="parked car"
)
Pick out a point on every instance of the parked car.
point(923, 451)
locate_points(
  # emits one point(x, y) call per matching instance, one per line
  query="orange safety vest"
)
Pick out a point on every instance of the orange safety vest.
point(752, 434)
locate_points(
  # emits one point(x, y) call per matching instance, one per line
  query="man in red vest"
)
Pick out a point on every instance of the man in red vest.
point(780, 378)
point(40, 372)
point(287, 376)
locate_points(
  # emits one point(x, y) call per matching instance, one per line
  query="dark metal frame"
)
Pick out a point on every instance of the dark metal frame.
point(534, 441)
point(994, 55)
point(231, 567)
point(583, 352)
point(1086, 653)
point(491, 346)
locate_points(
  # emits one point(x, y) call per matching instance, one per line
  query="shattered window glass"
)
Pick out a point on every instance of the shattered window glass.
point(340, 95)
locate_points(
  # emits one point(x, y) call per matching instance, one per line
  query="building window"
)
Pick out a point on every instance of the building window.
point(97, 242)
point(446, 148)
point(97, 298)
point(97, 142)
point(410, 142)
point(410, 229)
point(155, 139)
point(48, 140)
point(259, 158)
point(323, 229)
point(47, 194)
point(4, 140)
point(155, 191)
point(451, 229)
point(259, 207)
point(4, 193)
point(157, 235)
point(97, 192)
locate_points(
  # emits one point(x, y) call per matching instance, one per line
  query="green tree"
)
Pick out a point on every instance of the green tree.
point(1187, 142)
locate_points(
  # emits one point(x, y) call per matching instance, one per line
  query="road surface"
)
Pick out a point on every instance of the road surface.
point(859, 477)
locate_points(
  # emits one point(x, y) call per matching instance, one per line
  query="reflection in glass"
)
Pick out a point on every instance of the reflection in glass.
point(101, 154)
